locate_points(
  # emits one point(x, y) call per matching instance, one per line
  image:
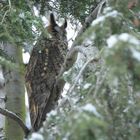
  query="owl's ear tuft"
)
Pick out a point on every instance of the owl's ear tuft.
point(52, 20)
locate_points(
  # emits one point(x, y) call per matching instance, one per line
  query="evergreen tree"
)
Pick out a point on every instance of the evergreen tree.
point(101, 95)
point(102, 101)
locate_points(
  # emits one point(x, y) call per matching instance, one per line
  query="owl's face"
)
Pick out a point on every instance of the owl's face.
point(56, 31)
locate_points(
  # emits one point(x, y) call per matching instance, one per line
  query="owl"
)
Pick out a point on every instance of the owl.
point(42, 70)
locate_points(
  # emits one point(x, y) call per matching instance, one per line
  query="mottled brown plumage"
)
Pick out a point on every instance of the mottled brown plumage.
point(45, 62)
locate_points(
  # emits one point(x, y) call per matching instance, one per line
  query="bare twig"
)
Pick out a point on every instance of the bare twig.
point(16, 118)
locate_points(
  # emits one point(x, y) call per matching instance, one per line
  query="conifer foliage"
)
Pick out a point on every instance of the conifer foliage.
point(100, 100)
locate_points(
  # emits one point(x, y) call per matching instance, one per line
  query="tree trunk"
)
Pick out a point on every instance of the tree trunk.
point(14, 87)
point(2, 103)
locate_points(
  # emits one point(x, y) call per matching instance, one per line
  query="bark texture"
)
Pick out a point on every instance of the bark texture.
point(14, 88)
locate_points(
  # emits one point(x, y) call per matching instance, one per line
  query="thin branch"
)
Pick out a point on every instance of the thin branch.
point(93, 59)
point(100, 7)
point(99, 82)
point(80, 73)
point(9, 1)
point(16, 118)
point(4, 17)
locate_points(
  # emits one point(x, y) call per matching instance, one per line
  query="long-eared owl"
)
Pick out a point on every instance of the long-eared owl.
point(44, 65)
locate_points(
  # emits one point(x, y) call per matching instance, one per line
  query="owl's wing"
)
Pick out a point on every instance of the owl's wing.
point(44, 66)
point(56, 56)
point(38, 83)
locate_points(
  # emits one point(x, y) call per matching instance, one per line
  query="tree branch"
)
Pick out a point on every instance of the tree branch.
point(94, 14)
point(16, 118)
point(72, 54)
point(80, 73)
point(93, 59)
